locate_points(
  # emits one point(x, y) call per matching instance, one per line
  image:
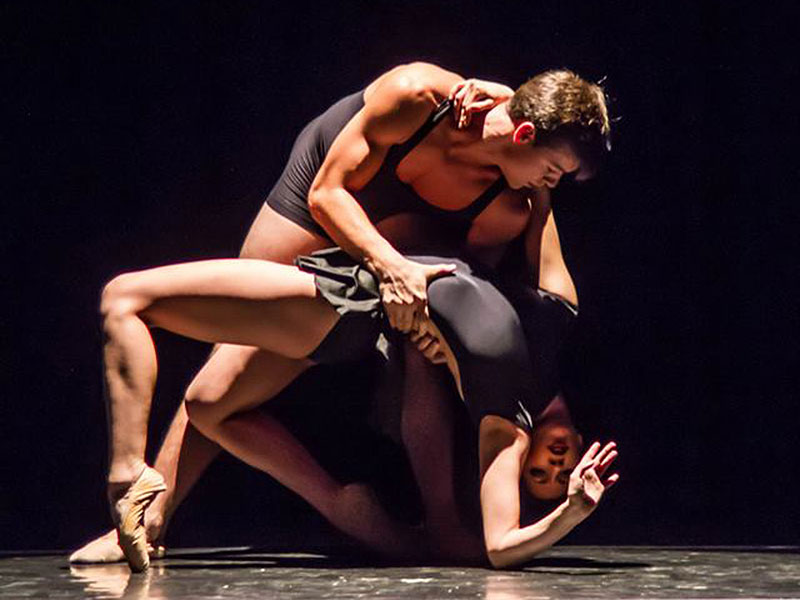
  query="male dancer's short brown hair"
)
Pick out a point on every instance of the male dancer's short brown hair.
point(562, 106)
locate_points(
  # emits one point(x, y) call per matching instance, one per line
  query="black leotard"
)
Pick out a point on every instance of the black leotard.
point(499, 375)
point(385, 195)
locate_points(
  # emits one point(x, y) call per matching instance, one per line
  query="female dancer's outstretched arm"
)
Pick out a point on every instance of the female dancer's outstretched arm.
point(503, 447)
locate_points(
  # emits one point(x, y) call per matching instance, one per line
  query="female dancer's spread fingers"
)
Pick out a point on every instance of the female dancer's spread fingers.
point(588, 459)
point(603, 465)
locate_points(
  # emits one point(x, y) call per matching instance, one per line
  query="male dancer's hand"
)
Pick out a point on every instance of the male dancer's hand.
point(404, 291)
point(587, 482)
point(475, 95)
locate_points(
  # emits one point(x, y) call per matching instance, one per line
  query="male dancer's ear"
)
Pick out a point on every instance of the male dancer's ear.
point(524, 133)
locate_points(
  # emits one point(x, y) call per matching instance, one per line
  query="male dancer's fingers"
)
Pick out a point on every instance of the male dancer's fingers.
point(464, 106)
point(455, 97)
point(611, 480)
point(441, 270)
point(399, 312)
point(481, 105)
point(454, 91)
point(468, 106)
point(463, 97)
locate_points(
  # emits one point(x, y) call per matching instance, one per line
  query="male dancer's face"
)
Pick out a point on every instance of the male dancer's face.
point(527, 165)
point(554, 452)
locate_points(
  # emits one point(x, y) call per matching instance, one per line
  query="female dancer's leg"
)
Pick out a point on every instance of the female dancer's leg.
point(243, 302)
point(185, 453)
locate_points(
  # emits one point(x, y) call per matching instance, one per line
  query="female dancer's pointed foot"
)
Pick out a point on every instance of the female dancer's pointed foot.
point(128, 514)
point(106, 549)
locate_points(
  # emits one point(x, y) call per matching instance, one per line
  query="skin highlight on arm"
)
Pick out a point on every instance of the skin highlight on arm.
point(395, 107)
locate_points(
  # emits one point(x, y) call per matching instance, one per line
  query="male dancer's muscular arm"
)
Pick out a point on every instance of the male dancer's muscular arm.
point(396, 105)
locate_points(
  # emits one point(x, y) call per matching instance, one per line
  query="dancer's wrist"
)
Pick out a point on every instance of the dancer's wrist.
point(576, 510)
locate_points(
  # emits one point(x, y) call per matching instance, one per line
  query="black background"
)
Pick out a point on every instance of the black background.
point(142, 134)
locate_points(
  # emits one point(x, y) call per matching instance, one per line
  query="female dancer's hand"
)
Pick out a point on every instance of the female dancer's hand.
point(588, 482)
point(475, 95)
point(430, 345)
point(404, 291)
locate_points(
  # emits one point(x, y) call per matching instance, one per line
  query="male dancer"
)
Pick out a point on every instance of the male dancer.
point(506, 159)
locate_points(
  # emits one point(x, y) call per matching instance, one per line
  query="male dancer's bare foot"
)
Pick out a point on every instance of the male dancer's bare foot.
point(106, 549)
point(127, 511)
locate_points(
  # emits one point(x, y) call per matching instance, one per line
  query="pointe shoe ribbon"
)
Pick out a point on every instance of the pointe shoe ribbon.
point(129, 517)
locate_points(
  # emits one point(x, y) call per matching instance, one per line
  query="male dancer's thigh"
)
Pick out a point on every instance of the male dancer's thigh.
point(274, 237)
point(271, 237)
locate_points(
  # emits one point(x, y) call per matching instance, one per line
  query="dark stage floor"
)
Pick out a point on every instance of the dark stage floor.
point(565, 572)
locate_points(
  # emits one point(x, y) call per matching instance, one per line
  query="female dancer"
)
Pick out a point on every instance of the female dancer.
point(298, 319)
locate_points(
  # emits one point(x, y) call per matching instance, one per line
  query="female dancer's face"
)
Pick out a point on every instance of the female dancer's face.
point(554, 452)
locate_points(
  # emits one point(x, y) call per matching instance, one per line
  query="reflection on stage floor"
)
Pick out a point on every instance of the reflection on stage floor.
point(563, 572)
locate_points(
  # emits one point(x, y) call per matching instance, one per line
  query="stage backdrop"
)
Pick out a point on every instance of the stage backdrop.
point(139, 135)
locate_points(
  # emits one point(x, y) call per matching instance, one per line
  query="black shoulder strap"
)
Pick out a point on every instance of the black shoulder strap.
point(397, 153)
point(482, 201)
point(440, 112)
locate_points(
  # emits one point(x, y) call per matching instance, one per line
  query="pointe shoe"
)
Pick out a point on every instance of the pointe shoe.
point(106, 550)
point(128, 513)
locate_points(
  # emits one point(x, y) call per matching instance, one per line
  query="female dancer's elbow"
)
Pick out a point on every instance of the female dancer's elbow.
point(498, 557)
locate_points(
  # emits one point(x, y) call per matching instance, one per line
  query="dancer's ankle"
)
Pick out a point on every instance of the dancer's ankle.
point(122, 475)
